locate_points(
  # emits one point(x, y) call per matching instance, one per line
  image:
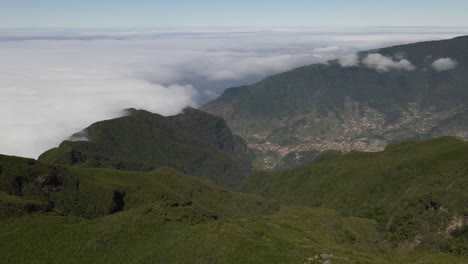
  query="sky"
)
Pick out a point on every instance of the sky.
point(228, 13)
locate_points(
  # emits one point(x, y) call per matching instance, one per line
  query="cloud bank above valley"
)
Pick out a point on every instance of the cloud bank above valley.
point(56, 82)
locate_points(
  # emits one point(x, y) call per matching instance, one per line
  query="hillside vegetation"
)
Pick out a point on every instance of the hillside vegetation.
point(55, 214)
point(417, 191)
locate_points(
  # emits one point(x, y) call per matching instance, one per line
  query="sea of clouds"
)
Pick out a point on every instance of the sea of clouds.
point(54, 82)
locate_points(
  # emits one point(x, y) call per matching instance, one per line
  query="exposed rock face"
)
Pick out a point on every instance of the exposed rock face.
point(457, 223)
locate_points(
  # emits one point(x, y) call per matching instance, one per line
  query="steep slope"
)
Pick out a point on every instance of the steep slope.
point(105, 215)
point(416, 191)
point(388, 94)
point(193, 142)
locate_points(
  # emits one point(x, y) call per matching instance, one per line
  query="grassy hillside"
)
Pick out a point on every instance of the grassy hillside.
point(327, 106)
point(142, 236)
point(54, 214)
point(417, 192)
point(196, 143)
point(92, 193)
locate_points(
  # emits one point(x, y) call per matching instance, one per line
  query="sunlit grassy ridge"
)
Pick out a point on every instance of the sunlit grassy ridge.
point(142, 236)
point(91, 192)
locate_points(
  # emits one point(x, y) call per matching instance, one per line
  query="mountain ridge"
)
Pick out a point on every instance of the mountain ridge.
point(194, 142)
point(327, 106)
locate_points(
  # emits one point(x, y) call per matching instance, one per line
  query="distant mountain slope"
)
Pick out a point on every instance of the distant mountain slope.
point(416, 191)
point(55, 214)
point(193, 142)
point(414, 91)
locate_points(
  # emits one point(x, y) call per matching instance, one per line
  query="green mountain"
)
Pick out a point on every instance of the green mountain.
point(417, 191)
point(141, 188)
point(391, 94)
point(193, 142)
point(56, 214)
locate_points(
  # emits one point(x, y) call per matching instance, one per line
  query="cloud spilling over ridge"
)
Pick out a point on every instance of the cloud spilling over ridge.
point(383, 63)
point(350, 60)
point(37, 119)
point(56, 82)
point(444, 64)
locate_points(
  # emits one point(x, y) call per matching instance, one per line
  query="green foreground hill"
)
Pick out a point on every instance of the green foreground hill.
point(56, 214)
point(417, 191)
point(194, 142)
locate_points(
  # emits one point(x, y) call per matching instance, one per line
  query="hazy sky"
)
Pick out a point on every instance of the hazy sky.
point(239, 13)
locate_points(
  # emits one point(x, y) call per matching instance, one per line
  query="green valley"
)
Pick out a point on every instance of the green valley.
point(385, 95)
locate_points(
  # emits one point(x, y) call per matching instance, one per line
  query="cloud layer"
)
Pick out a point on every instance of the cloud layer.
point(444, 64)
point(383, 63)
point(350, 60)
point(56, 82)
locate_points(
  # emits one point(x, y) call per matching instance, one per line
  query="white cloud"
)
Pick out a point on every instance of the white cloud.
point(327, 49)
point(350, 60)
point(383, 64)
point(54, 83)
point(444, 64)
point(37, 116)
